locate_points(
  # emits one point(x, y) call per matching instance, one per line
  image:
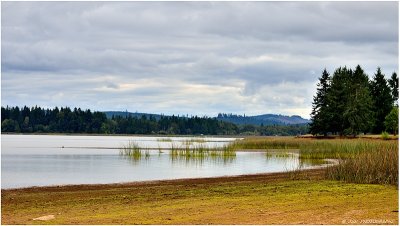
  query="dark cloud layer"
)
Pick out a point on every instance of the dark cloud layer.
point(188, 57)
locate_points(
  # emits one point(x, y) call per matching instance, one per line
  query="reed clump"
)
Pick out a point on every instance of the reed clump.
point(342, 148)
point(202, 152)
point(132, 150)
point(268, 143)
point(379, 166)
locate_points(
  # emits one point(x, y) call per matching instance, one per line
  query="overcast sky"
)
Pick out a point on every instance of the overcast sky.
point(196, 58)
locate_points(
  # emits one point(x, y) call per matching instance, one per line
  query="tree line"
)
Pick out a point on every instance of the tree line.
point(65, 120)
point(349, 103)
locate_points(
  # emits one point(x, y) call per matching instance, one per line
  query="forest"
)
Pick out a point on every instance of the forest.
point(65, 120)
point(349, 103)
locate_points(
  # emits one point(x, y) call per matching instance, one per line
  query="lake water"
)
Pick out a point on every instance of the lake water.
point(42, 160)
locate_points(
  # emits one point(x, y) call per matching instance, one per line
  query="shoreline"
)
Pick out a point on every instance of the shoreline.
point(267, 177)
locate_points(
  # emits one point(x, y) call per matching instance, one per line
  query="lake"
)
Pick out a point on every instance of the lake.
point(43, 160)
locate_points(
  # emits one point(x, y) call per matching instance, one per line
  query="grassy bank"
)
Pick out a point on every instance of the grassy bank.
point(262, 199)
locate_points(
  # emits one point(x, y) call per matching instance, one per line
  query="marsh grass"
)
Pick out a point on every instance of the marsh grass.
point(164, 139)
point(360, 160)
point(316, 148)
point(197, 140)
point(344, 148)
point(267, 143)
point(133, 151)
point(201, 152)
point(379, 166)
point(270, 155)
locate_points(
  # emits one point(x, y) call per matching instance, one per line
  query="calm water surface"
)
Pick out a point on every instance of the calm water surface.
point(41, 160)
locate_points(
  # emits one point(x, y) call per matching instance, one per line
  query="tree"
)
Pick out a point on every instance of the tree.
point(392, 120)
point(9, 125)
point(394, 86)
point(319, 124)
point(382, 100)
point(337, 99)
point(343, 103)
point(358, 113)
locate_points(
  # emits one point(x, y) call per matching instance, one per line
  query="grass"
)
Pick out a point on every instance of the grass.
point(385, 136)
point(244, 200)
point(267, 143)
point(374, 167)
point(133, 151)
point(361, 160)
point(269, 155)
point(164, 140)
point(315, 148)
point(187, 152)
point(201, 152)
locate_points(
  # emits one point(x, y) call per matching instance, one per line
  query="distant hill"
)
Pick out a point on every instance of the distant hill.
point(266, 119)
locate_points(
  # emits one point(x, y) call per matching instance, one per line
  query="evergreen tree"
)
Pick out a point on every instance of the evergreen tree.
point(394, 86)
point(358, 113)
point(392, 120)
point(382, 100)
point(337, 99)
point(319, 114)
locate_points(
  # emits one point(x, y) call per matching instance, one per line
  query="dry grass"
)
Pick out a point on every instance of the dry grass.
point(374, 167)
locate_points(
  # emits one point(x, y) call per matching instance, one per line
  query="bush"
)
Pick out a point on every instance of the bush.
point(385, 136)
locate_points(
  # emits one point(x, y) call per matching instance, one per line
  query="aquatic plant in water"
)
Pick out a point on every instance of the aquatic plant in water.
point(201, 152)
point(133, 151)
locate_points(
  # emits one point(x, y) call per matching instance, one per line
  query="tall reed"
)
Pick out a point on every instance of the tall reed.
point(379, 166)
point(201, 152)
point(133, 151)
point(360, 160)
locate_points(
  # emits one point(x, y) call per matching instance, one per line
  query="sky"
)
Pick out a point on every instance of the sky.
point(195, 58)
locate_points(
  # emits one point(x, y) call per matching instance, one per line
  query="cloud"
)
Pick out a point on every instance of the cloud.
point(188, 57)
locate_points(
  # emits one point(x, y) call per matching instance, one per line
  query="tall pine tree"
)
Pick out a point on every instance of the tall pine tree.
point(358, 112)
point(382, 100)
point(337, 99)
point(394, 86)
point(319, 114)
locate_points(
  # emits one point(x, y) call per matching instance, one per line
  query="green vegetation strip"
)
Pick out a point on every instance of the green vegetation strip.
point(242, 200)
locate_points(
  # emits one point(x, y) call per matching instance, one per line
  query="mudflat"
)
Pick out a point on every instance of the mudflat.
point(277, 198)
